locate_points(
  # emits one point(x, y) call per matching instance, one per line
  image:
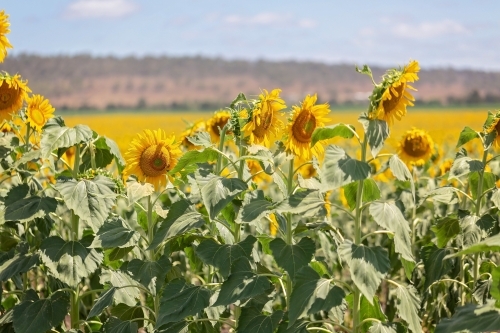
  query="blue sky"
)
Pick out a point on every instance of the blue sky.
point(440, 33)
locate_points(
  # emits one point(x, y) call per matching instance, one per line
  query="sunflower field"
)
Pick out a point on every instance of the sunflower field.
point(262, 219)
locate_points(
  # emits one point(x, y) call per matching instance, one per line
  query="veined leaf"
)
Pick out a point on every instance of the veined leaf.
point(446, 228)
point(27, 209)
point(151, 274)
point(105, 300)
point(115, 325)
point(125, 312)
point(253, 321)
point(115, 233)
point(472, 318)
point(466, 135)
point(219, 191)
point(193, 157)
point(435, 264)
point(489, 244)
point(401, 172)
point(488, 182)
point(63, 137)
point(464, 165)
point(339, 169)
point(119, 279)
point(293, 257)
point(330, 132)
point(376, 131)
point(20, 263)
point(408, 305)
point(371, 192)
point(255, 206)
point(368, 309)
point(379, 327)
point(137, 191)
point(309, 203)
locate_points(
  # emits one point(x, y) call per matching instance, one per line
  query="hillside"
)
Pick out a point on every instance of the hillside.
point(183, 82)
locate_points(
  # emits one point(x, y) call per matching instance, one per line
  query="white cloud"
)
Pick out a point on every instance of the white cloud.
point(269, 19)
point(426, 30)
point(84, 9)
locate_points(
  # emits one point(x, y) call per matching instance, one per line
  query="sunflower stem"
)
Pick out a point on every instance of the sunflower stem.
point(75, 309)
point(289, 231)
point(76, 164)
point(27, 138)
point(150, 227)
point(221, 147)
point(92, 155)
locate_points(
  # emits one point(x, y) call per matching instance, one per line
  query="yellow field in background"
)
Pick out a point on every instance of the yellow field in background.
point(443, 125)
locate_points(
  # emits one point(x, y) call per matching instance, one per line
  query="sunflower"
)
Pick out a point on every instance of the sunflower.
point(328, 204)
point(263, 124)
point(217, 123)
point(395, 96)
point(69, 156)
point(258, 174)
point(273, 225)
point(4, 30)
point(13, 92)
point(416, 147)
point(493, 124)
point(305, 119)
point(198, 126)
point(39, 111)
point(151, 156)
point(380, 173)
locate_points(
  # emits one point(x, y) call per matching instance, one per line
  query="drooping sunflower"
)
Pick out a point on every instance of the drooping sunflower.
point(4, 30)
point(416, 147)
point(13, 92)
point(217, 123)
point(393, 96)
point(39, 111)
point(305, 119)
point(493, 124)
point(263, 123)
point(151, 156)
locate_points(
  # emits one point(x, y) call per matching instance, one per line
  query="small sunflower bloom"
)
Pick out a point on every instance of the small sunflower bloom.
point(273, 225)
point(264, 125)
point(38, 112)
point(13, 93)
point(416, 147)
point(395, 95)
point(4, 30)
point(258, 174)
point(305, 119)
point(151, 156)
point(198, 126)
point(217, 123)
point(493, 125)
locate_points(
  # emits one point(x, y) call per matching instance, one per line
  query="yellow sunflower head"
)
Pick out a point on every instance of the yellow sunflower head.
point(151, 156)
point(198, 126)
point(380, 173)
point(39, 111)
point(305, 119)
point(273, 225)
point(416, 147)
point(258, 174)
point(263, 123)
point(13, 92)
point(491, 125)
point(4, 30)
point(328, 204)
point(69, 156)
point(217, 123)
point(392, 97)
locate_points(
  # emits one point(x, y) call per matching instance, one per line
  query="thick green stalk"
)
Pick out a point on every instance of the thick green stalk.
point(76, 165)
point(27, 138)
point(74, 309)
point(151, 252)
point(92, 155)
point(479, 196)
point(75, 226)
point(221, 147)
point(289, 231)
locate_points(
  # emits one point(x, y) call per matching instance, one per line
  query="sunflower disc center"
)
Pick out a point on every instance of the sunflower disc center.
point(155, 161)
point(304, 126)
point(416, 147)
point(8, 96)
point(390, 104)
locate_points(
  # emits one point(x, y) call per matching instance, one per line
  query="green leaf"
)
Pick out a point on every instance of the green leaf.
point(181, 218)
point(300, 326)
point(105, 300)
point(57, 137)
point(180, 300)
point(339, 169)
point(241, 98)
point(312, 294)
point(70, 262)
point(489, 244)
point(255, 206)
point(464, 165)
point(137, 191)
point(308, 203)
point(401, 172)
point(378, 327)
point(371, 192)
point(25, 210)
point(472, 318)
point(435, 264)
point(408, 305)
point(125, 312)
point(119, 279)
point(243, 283)
point(368, 265)
point(376, 131)
point(118, 253)
point(91, 200)
point(20, 263)
point(333, 131)
point(489, 180)
point(495, 285)
point(368, 309)
point(253, 321)
point(365, 70)
point(115, 325)
point(102, 156)
point(150, 274)
point(445, 229)
point(388, 216)
point(115, 232)
point(193, 157)
point(466, 135)
point(16, 193)
point(115, 150)
point(201, 139)
point(223, 256)
point(293, 257)
point(40, 315)
point(178, 327)
point(495, 198)
point(219, 191)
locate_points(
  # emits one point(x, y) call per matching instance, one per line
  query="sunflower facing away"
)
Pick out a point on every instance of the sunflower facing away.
point(151, 155)
point(305, 119)
point(493, 124)
point(4, 30)
point(198, 126)
point(39, 111)
point(264, 124)
point(217, 123)
point(13, 92)
point(416, 147)
point(395, 96)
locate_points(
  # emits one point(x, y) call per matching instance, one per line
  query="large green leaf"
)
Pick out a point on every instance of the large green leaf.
point(489, 244)
point(243, 283)
point(193, 157)
point(401, 171)
point(379, 327)
point(368, 309)
point(445, 229)
point(27, 209)
point(150, 274)
point(181, 218)
point(115, 232)
point(472, 318)
point(253, 321)
point(16, 193)
point(339, 169)
point(376, 131)
point(70, 262)
point(136, 191)
point(368, 265)
point(388, 216)
point(495, 284)
point(293, 257)
point(115, 325)
point(370, 192)
point(105, 300)
point(180, 300)
point(56, 137)
point(223, 256)
point(463, 165)
point(122, 281)
point(125, 312)
point(489, 180)
point(308, 203)
point(219, 191)
point(255, 206)
point(91, 200)
point(312, 294)
point(408, 305)
point(300, 326)
point(466, 135)
point(20, 263)
point(435, 265)
point(36, 315)
point(333, 131)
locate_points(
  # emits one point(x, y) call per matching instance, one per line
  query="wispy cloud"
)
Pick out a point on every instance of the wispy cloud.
point(85, 9)
point(269, 19)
